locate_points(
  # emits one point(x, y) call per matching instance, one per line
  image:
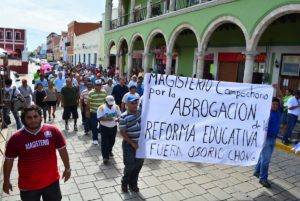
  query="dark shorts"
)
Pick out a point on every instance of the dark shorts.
point(283, 117)
point(49, 193)
point(68, 110)
point(51, 103)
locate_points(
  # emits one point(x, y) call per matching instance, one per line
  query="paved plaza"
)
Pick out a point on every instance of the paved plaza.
point(166, 180)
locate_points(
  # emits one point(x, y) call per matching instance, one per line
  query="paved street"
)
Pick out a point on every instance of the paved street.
point(167, 180)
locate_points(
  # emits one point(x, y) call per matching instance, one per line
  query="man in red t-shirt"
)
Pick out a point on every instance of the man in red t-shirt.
point(35, 146)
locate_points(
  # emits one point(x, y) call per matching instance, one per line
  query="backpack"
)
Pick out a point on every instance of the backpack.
point(17, 102)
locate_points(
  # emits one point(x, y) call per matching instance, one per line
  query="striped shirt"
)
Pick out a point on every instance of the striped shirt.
point(95, 99)
point(84, 94)
point(131, 123)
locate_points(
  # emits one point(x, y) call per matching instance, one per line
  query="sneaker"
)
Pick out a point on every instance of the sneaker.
point(66, 127)
point(75, 128)
point(265, 184)
point(124, 188)
point(256, 175)
point(95, 142)
point(111, 154)
point(105, 161)
point(287, 142)
point(134, 188)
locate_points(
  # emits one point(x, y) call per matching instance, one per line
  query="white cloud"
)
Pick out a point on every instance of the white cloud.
point(50, 15)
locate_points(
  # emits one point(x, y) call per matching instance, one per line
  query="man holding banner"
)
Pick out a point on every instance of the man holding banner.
point(262, 167)
point(130, 129)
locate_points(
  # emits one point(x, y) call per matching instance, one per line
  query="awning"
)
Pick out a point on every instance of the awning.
point(2, 52)
point(10, 52)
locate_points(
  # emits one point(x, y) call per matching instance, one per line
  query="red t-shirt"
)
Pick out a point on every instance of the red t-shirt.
point(37, 164)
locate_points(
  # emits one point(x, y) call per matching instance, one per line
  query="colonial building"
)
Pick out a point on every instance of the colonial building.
point(89, 47)
point(53, 46)
point(252, 41)
point(13, 41)
point(63, 54)
point(77, 28)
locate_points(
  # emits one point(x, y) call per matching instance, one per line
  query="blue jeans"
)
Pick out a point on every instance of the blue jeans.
point(6, 117)
point(94, 124)
point(291, 122)
point(262, 166)
point(108, 138)
point(133, 165)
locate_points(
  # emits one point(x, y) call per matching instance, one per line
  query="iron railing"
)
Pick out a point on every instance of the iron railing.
point(114, 24)
point(158, 8)
point(140, 14)
point(124, 20)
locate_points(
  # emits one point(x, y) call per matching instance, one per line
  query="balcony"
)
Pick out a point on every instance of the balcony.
point(157, 9)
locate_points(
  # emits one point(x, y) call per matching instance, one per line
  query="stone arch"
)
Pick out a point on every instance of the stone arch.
point(150, 38)
point(120, 43)
point(110, 45)
point(268, 19)
point(215, 24)
point(133, 39)
point(177, 32)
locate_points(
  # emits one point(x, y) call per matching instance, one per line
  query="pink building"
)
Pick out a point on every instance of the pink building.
point(13, 40)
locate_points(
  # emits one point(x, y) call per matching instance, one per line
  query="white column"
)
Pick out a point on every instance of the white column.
point(172, 5)
point(216, 64)
point(169, 63)
point(108, 12)
point(118, 61)
point(146, 56)
point(200, 64)
point(120, 13)
point(129, 65)
point(249, 62)
point(132, 4)
point(106, 60)
point(149, 9)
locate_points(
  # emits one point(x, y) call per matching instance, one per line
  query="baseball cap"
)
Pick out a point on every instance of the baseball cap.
point(131, 98)
point(110, 100)
point(98, 82)
point(132, 86)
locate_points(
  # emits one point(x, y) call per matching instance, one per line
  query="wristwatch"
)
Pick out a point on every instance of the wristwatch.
point(68, 170)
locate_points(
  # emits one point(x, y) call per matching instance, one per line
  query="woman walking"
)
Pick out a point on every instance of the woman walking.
point(51, 99)
point(39, 99)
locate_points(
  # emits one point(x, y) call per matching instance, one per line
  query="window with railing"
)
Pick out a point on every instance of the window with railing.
point(1, 34)
point(18, 36)
point(8, 35)
point(157, 8)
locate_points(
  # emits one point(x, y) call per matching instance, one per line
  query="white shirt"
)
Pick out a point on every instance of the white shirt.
point(291, 103)
point(127, 94)
point(10, 91)
point(105, 111)
point(108, 89)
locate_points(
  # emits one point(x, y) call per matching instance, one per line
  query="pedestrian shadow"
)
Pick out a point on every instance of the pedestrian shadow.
point(275, 190)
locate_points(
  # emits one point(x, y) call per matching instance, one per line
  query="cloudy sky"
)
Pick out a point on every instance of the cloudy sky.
point(41, 17)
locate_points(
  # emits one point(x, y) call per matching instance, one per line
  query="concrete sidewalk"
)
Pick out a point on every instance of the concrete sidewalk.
point(166, 180)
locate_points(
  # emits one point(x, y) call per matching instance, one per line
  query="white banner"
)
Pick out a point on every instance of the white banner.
point(189, 119)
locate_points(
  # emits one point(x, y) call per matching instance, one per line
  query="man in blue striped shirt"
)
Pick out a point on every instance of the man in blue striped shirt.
point(130, 128)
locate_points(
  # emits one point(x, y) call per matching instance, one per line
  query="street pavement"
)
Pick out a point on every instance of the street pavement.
point(165, 180)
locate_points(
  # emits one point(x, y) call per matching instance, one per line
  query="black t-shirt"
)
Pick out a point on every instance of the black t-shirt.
point(39, 97)
point(118, 92)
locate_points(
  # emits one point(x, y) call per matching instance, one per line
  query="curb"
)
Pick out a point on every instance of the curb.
point(286, 148)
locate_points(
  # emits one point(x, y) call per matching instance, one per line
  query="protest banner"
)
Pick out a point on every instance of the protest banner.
point(197, 120)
